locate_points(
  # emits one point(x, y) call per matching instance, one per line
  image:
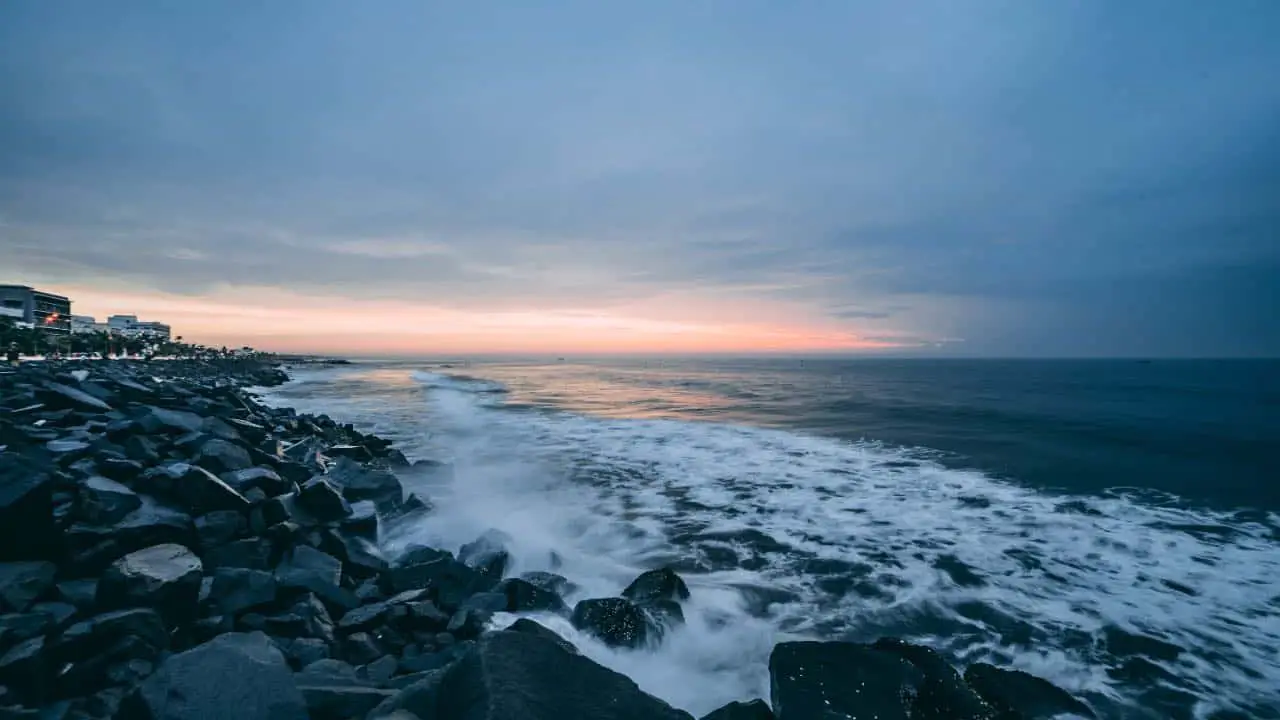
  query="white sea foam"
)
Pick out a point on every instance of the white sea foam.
point(836, 539)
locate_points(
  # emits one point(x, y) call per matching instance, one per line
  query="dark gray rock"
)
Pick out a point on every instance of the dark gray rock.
point(323, 501)
point(252, 553)
point(367, 617)
point(361, 648)
point(81, 593)
point(237, 675)
point(169, 422)
point(822, 679)
point(339, 702)
point(17, 627)
point(28, 530)
point(105, 501)
point(654, 585)
point(61, 397)
point(617, 622)
point(449, 581)
point(418, 699)
point(525, 625)
point(86, 650)
point(219, 528)
point(487, 554)
point(519, 675)
point(22, 583)
point(238, 589)
point(25, 668)
point(379, 671)
point(309, 569)
point(328, 672)
point(261, 478)
point(943, 695)
point(524, 596)
point(199, 490)
point(420, 554)
point(301, 652)
point(119, 469)
point(550, 581)
point(1016, 694)
point(754, 710)
point(93, 547)
point(222, 456)
point(358, 453)
point(468, 623)
point(424, 616)
point(360, 558)
point(164, 577)
point(363, 521)
point(308, 617)
point(363, 483)
point(427, 662)
point(220, 429)
point(141, 449)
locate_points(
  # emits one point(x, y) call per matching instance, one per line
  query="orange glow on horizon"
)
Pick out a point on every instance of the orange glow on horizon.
point(275, 320)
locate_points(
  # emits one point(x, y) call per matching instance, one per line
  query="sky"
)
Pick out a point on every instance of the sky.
point(979, 178)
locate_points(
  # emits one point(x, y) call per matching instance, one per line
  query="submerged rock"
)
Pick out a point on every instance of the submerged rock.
point(943, 694)
point(840, 679)
point(617, 622)
point(654, 585)
point(1016, 694)
point(487, 554)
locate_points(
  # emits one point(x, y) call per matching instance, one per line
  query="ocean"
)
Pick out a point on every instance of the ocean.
point(1111, 525)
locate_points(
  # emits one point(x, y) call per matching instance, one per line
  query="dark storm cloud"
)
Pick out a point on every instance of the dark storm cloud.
point(1036, 178)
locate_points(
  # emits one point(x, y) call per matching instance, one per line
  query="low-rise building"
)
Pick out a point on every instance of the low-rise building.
point(131, 326)
point(38, 308)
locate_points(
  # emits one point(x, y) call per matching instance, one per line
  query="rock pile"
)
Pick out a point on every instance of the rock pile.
point(171, 549)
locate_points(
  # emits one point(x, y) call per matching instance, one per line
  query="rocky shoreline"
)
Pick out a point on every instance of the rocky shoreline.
point(171, 549)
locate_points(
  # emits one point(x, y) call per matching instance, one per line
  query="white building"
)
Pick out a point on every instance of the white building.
point(131, 326)
point(86, 324)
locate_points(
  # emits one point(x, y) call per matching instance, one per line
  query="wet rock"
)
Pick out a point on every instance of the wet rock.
point(222, 456)
point(199, 490)
point(219, 528)
point(617, 622)
point(822, 679)
point(265, 479)
point(238, 589)
point(754, 710)
point(1016, 694)
point(156, 420)
point(164, 577)
point(27, 527)
point(524, 596)
point(654, 585)
point(367, 617)
point(251, 553)
point(550, 581)
point(363, 521)
point(425, 616)
point(105, 501)
point(943, 694)
point(449, 581)
point(237, 675)
point(361, 483)
point(360, 558)
point(309, 569)
point(61, 397)
point(487, 554)
point(22, 583)
point(358, 453)
point(520, 675)
point(525, 625)
point(323, 501)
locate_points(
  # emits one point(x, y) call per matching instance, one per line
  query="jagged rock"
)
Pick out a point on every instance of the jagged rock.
point(27, 527)
point(238, 589)
point(487, 554)
point(119, 469)
point(327, 672)
point(25, 668)
point(80, 593)
point(428, 662)
point(449, 581)
point(525, 625)
point(361, 648)
point(169, 422)
point(308, 617)
point(222, 456)
point(361, 483)
point(379, 671)
point(367, 617)
point(654, 585)
point(943, 695)
point(363, 521)
point(520, 675)
point(105, 501)
point(310, 569)
point(17, 627)
point(265, 479)
point(164, 577)
point(58, 613)
point(754, 710)
point(22, 583)
point(1016, 694)
point(93, 547)
point(59, 397)
point(524, 596)
point(237, 675)
point(102, 635)
point(199, 490)
point(419, 554)
point(301, 652)
point(220, 429)
point(323, 501)
point(339, 702)
point(251, 553)
point(141, 449)
point(617, 622)
point(250, 431)
point(219, 528)
point(418, 699)
point(550, 581)
point(360, 558)
point(821, 679)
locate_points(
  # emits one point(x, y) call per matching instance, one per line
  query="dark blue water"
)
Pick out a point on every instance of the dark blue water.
point(1112, 525)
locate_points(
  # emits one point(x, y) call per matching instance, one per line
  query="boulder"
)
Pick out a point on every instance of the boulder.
point(253, 553)
point(220, 456)
point(754, 710)
point(360, 557)
point(304, 651)
point(17, 627)
point(164, 577)
point(362, 521)
point(79, 593)
point(120, 469)
point(105, 501)
point(525, 625)
point(524, 596)
point(261, 478)
point(22, 583)
point(309, 569)
point(141, 449)
point(825, 679)
point(238, 589)
point(1016, 694)
point(339, 702)
point(219, 528)
point(654, 585)
point(617, 622)
point(28, 530)
point(26, 669)
point(487, 554)
point(220, 429)
point(361, 648)
point(363, 483)
point(449, 581)
point(156, 420)
point(943, 695)
point(553, 582)
point(56, 396)
point(90, 653)
point(237, 675)
point(93, 547)
point(522, 675)
point(368, 617)
point(199, 490)
point(323, 501)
